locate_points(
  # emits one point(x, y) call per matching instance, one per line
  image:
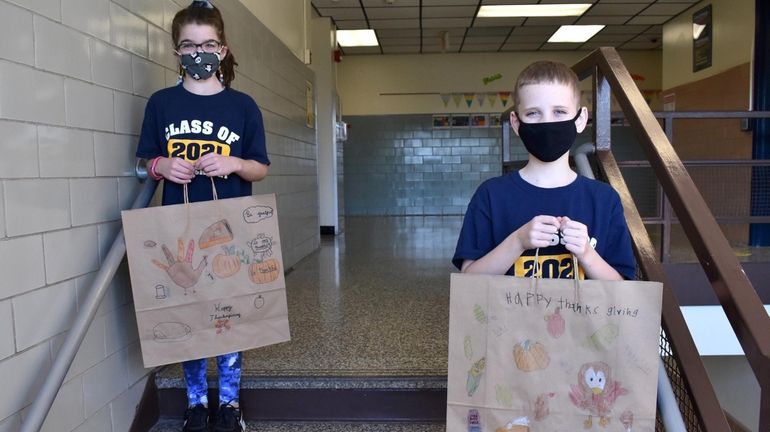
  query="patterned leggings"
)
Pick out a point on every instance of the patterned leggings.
point(229, 366)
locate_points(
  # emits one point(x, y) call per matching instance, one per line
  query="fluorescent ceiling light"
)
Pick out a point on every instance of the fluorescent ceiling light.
point(533, 10)
point(575, 33)
point(353, 38)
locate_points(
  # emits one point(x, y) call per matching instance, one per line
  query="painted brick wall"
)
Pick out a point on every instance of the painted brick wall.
point(75, 80)
point(401, 165)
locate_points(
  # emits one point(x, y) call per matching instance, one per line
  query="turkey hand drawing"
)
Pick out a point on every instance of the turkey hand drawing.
point(180, 268)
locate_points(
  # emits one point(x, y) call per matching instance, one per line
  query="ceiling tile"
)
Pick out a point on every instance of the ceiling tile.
point(448, 11)
point(605, 9)
point(542, 21)
point(591, 45)
point(521, 47)
point(433, 40)
point(392, 13)
point(401, 49)
point(439, 49)
point(485, 40)
point(535, 30)
point(351, 25)
point(672, 9)
point(625, 29)
point(336, 3)
point(498, 22)
point(343, 13)
point(398, 41)
point(625, 1)
point(679, 1)
point(614, 38)
point(640, 46)
point(480, 47)
point(395, 23)
point(396, 32)
point(539, 39)
point(603, 20)
point(561, 46)
point(511, 2)
point(361, 50)
point(396, 3)
point(649, 19)
point(445, 22)
point(450, 2)
point(489, 31)
point(658, 29)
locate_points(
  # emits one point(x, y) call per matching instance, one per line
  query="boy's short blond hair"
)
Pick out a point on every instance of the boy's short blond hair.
point(545, 71)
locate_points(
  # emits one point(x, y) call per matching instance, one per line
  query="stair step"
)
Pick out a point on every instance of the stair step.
point(169, 425)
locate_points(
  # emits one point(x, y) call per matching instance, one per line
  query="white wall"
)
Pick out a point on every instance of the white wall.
point(363, 79)
point(326, 92)
point(732, 41)
point(75, 79)
point(289, 20)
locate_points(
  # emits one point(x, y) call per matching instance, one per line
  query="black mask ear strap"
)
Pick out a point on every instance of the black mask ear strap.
point(206, 4)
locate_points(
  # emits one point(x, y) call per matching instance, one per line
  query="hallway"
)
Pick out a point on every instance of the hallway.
point(369, 309)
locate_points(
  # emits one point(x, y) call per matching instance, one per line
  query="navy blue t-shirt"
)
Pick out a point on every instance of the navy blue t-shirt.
point(503, 204)
point(179, 123)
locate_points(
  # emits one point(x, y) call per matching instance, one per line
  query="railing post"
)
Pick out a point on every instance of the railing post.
point(602, 110)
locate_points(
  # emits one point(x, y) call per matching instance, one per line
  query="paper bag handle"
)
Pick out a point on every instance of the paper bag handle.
point(537, 273)
point(213, 191)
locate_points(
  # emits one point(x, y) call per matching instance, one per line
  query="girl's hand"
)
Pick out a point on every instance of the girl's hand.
point(175, 169)
point(538, 233)
point(214, 164)
point(575, 237)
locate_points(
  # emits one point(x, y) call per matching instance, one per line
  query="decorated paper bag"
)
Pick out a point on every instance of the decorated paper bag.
point(548, 355)
point(207, 278)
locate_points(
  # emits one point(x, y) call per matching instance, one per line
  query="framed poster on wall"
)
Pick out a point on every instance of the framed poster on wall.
point(479, 120)
point(701, 39)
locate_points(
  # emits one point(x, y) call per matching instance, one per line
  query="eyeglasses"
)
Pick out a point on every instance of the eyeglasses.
point(210, 46)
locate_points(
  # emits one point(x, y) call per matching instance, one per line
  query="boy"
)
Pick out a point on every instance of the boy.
point(546, 210)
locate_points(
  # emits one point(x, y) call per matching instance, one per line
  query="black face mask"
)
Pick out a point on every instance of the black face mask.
point(548, 141)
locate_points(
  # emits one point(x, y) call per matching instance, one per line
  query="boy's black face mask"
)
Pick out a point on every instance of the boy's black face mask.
point(548, 141)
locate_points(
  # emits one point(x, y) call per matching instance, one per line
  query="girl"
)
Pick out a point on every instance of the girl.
point(197, 131)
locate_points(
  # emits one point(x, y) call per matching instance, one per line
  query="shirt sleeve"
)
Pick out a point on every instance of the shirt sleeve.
point(476, 237)
point(150, 145)
point(620, 254)
point(254, 146)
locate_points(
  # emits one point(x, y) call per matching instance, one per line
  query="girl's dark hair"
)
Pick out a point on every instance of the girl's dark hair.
point(204, 13)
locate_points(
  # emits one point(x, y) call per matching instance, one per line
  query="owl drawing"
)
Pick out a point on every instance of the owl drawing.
point(596, 392)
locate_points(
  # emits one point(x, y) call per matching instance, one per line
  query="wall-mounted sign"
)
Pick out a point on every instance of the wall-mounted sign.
point(701, 39)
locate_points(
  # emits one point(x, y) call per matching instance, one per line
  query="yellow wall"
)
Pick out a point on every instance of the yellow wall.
point(289, 20)
point(732, 41)
point(362, 79)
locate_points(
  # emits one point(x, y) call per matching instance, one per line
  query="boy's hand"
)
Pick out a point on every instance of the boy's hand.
point(575, 237)
point(175, 169)
point(539, 232)
point(214, 164)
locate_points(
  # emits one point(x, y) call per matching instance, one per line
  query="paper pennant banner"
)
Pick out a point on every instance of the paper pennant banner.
point(457, 97)
point(469, 99)
point(480, 98)
point(504, 96)
point(492, 98)
point(445, 97)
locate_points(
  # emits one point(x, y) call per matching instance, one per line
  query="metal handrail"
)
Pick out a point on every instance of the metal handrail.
point(669, 409)
point(44, 400)
point(741, 303)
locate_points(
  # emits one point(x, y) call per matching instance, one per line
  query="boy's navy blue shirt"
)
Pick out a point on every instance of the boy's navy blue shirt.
point(503, 204)
point(179, 123)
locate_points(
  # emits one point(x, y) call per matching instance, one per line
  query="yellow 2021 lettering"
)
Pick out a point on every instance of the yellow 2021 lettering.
point(192, 150)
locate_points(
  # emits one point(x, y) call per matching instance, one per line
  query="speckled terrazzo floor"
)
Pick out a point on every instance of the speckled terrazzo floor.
point(176, 426)
point(372, 302)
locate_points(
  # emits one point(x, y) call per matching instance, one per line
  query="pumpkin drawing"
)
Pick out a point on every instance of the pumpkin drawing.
point(530, 356)
point(225, 266)
point(264, 272)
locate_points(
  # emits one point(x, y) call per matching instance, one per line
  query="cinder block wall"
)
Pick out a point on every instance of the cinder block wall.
point(401, 165)
point(74, 79)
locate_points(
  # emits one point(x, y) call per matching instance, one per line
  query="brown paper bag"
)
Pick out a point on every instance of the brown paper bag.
point(547, 355)
point(207, 278)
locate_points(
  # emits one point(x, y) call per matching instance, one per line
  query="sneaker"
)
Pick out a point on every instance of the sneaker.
point(229, 419)
point(196, 419)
